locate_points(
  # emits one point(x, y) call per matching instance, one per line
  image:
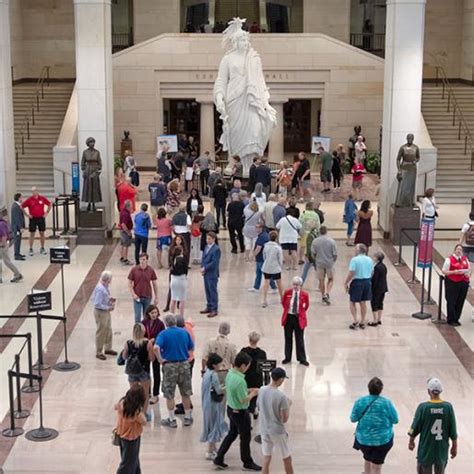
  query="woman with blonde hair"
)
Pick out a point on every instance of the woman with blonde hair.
point(252, 216)
point(137, 353)
point(284, 177)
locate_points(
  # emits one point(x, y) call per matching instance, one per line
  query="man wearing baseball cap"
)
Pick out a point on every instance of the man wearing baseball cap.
point(274, 411)
point(435, 422)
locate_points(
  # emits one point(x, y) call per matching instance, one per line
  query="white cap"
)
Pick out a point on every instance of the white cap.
point(434, 385)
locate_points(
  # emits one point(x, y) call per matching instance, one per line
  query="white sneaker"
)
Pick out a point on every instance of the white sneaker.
point(211, 456)
point(252, 290)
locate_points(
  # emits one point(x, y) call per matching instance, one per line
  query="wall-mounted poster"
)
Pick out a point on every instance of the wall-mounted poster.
point(167, 144)
point(316, 142)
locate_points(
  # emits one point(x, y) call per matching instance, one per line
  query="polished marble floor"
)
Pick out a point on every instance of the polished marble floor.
point(404, 352)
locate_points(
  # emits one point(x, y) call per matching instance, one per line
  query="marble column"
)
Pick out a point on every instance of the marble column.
point(7, 141)
point(94, 89)
point(276, 150)
point(402, 91)
point(207, 137)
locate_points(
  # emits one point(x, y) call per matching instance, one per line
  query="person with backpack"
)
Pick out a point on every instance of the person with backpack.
point(467, 238)
point(137, 354)
point(349, 217)
point(309, 259)
point(375, 416)
point(457, 272)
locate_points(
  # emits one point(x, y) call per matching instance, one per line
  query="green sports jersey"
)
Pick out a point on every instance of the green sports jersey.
point(435, 423)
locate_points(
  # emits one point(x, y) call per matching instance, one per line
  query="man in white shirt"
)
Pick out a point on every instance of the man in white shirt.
point(274, 411)
point(268, 212)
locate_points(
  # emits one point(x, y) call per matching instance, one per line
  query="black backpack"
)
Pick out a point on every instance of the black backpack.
point(133, 366)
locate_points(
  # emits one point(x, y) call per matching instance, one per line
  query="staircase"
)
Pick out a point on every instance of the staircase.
point(35, 167)
point(454, 178)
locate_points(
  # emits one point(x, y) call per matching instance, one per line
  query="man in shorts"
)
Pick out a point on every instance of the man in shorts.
point(172, 349)
point(35, 210)
point(359, 284)
point(324, 252)
point(274, 411)
point(435, 422)
point(303, 176)
point(126, 226)
point(326, 167)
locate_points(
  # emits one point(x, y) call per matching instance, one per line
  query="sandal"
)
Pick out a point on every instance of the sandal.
point(353, 326)
point(362, 326)
point(373, 324)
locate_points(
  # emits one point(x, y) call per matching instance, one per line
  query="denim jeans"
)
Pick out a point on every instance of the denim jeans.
point(258, 277)
point(139, 307)
point(306, 267)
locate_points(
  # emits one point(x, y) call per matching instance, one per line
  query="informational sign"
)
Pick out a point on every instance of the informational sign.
point(425, 246)
point(166, 144)
point(75, 174)
point(317, 141)
point(39, 300)
point(60, 254)
point(266, 365)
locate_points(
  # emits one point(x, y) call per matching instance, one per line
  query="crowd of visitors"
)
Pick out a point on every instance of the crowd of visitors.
point(278, 236)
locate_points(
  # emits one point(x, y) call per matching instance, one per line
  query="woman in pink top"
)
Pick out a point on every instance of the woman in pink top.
point(164, 227)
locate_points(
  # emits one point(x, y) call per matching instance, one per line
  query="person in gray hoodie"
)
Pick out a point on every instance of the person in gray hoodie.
point(272, 266)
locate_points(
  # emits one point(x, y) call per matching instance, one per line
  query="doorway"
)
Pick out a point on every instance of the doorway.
point(301, 121)
point(181, 116)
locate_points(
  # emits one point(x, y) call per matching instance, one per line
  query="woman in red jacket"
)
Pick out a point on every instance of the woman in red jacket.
point(457, 271)
point(295, 303)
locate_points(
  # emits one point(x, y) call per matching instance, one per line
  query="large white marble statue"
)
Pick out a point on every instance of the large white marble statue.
point(242, 98)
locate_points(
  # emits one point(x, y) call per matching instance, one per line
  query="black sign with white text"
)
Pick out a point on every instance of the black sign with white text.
point(39, 301)
point(60, 254)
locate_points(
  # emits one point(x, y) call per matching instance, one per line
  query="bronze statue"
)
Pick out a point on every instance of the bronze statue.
point(91, 166)
point(407, 159)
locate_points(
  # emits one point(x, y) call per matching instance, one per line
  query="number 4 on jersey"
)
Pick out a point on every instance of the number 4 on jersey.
point(437, 430)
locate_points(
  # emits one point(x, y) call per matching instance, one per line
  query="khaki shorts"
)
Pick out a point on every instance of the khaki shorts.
point(176, 373)
point(270, 441)
point(322, 272)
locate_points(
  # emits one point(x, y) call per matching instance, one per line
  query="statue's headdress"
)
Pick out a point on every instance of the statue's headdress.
point(233, 32)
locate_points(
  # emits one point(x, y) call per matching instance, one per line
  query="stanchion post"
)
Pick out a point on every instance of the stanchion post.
point(39, 366)
point(413, 274)
point(31, 387)
point(440, 319)
point(429, 300)
point(41, 433)
point(400, 262)
point(66, 365)
point(13, 430)
point(19, 412)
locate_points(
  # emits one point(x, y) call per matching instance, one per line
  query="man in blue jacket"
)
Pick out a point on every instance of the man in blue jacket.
point(210, 270)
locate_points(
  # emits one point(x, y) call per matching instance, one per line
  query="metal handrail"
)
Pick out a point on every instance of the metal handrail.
point(30, 117)
point(456, 109)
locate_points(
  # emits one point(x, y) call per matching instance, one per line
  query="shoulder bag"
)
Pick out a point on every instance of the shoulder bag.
point(356, 444)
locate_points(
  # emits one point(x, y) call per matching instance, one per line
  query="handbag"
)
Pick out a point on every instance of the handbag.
point(120, 359)
point(356, 444)
point(216, 397)
point(115, 438)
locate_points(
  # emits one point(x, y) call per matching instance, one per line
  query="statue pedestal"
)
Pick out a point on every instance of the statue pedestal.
point(126, 144)
point(404, 218)
point(91, 228)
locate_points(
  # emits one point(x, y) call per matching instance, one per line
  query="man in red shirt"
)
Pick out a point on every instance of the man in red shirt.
point(126, 191)
point(142, 285)
point(126, 226)
point(35, 211)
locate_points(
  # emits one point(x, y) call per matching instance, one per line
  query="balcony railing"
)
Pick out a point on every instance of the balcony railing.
point(372, 42)
point(121, 41)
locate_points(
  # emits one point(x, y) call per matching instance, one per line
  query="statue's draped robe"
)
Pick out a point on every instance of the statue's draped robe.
point(249, 118)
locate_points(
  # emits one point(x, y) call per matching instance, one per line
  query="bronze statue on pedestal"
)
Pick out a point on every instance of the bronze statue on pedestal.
point(91, 166)
point(407, 160)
